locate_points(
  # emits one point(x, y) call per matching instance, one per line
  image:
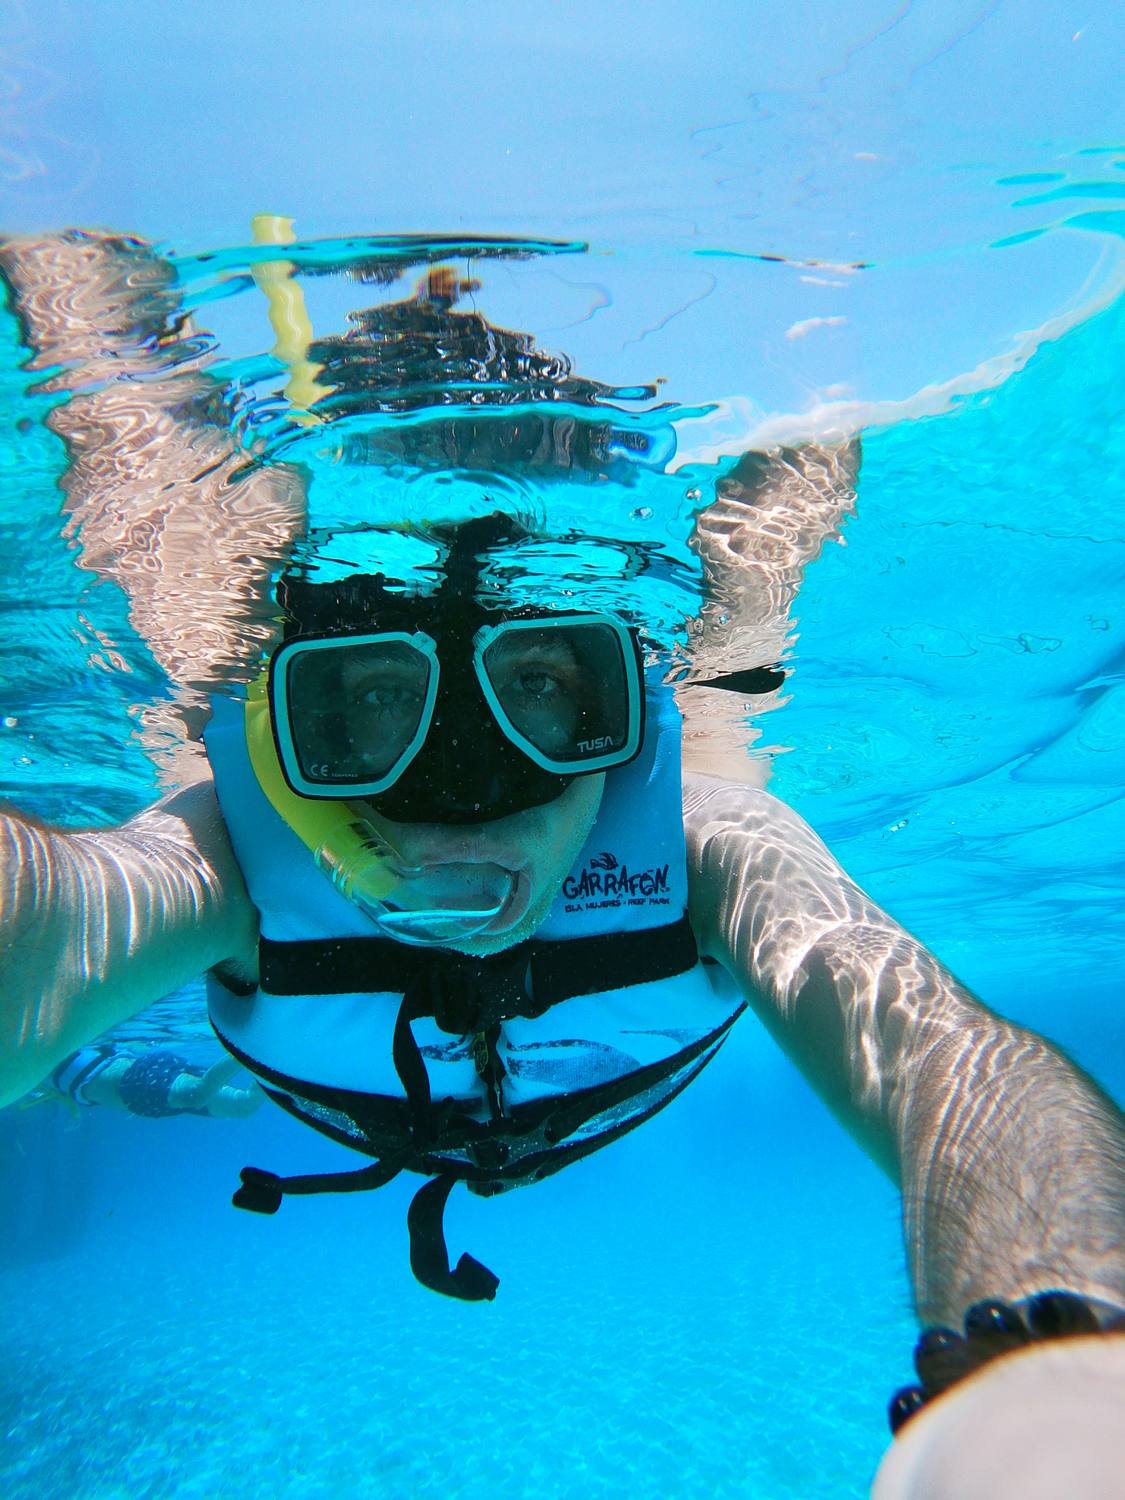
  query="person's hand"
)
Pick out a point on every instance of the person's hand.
point(1040, 1424)
point(235, 1104)
point(214, 1094)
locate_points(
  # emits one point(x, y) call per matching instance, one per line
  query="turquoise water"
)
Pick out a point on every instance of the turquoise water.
point(898, 220)
point(716, 1305)
point(975, 614)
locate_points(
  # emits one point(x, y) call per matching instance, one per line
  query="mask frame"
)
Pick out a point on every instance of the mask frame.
point(484, 640)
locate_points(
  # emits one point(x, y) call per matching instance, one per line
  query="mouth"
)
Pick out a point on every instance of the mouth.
point(442, 903)
point(450, 883)
point(422, 847)
point(458, 885)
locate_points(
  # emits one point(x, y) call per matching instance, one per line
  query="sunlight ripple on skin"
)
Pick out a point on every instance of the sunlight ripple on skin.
point(949, 1099)
point(766, 521)
point(150, 489)
point(103, 893)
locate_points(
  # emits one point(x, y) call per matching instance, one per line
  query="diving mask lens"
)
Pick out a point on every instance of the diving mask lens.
point(351, 712)
point(566, 691)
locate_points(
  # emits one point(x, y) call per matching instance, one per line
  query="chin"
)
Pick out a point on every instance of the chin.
point(487, 943)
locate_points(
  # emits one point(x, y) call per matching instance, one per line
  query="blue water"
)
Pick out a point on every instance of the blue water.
point(974, 621)
point(717, 1305)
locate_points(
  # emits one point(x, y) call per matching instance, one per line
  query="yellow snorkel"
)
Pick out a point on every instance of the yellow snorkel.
point(288, 316)
point(345, 846)
point(361, 862)
point(358, 858)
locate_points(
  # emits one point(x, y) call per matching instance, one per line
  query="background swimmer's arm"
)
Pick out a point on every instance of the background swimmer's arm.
point(96, 925)
point(156, 491)
point(1011, 1160)
point(189, 1092)
point(769, 517)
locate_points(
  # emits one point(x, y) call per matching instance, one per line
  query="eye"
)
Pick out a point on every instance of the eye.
point(387, 694)
point(533, 663)
point(537, 683)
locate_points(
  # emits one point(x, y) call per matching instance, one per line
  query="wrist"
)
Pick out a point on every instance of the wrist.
point(944, 1356)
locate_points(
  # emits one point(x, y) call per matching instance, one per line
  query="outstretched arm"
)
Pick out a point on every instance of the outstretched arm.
point(1011, 1161)
point(95, 926)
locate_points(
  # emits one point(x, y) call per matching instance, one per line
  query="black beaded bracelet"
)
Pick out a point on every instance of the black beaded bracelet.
point(942, 1357)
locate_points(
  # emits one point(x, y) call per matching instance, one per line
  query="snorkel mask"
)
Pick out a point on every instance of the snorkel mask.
point(433, 710)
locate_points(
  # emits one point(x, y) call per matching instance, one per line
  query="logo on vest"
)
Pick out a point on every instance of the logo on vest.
point(607, 882)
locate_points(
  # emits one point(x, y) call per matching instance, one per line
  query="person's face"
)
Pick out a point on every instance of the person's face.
point(527, 853)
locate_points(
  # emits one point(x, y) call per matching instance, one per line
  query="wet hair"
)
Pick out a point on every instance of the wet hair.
point(351, 603)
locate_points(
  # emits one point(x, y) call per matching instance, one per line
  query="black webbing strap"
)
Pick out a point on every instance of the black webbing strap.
point(471, 1281)
point(429, 1257)
point(525, 980)
point(411, 1067)
point(549, 1120)
point(747, 680)
point(569, 967)
point(261, 1191)
point(465, 996)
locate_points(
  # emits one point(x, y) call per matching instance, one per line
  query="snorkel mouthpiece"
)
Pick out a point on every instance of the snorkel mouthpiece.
point(436, 924)
point(369, 872)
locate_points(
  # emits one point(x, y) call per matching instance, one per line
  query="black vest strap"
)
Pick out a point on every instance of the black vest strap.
point(261, 1192)
point(466, 996)
point(470, 994)
point(429, 1258)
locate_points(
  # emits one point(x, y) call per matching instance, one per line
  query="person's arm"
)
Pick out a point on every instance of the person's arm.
point(213, 1092)
point(96, 925)
point(1011, 1161)
point(172, 1092)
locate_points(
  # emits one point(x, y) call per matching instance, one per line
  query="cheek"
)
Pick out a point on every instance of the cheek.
point(565, 823)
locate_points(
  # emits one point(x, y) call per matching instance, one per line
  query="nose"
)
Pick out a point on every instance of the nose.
point(464, 771)
point(464, 763)
point(467, 771)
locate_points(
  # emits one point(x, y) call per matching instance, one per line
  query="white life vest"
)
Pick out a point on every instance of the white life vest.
point(494, 1071)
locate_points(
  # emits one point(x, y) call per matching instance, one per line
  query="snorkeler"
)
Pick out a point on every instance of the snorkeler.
point(155, 1082)
point(464, 913)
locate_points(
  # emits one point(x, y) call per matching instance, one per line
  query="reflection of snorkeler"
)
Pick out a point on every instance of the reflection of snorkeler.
point(515, 892)
point(151, 1081)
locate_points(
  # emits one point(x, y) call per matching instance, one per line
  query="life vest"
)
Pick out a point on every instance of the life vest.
point(494, 1071)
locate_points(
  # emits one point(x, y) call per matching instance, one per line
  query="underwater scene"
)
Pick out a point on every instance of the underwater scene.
point(443, 457)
